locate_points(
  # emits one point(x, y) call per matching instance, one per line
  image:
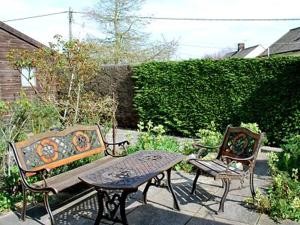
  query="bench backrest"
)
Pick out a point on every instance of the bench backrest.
point(240, 142)
point(56, 148)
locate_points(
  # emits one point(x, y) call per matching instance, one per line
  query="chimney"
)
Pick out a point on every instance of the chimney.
point(241, 47)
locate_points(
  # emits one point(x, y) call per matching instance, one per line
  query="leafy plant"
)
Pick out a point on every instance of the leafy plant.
point(210, 136)
point(283, 196)
point(152, 138)
point(289, 159)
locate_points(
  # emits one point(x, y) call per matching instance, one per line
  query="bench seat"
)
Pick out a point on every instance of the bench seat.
point(67, 179)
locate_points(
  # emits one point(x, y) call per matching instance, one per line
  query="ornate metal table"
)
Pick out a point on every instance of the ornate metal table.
point(124, 175)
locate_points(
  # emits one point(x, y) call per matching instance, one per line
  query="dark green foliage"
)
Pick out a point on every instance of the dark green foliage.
point(289, 159)
point(186, 96)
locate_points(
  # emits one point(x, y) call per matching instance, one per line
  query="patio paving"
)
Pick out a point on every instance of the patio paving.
point(196, 209)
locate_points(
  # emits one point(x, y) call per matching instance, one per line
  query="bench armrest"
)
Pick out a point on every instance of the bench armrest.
point(41, 171)
point(33, 188)
point(122, 144)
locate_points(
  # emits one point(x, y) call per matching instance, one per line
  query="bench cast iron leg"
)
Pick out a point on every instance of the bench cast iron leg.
point(46, 202)
point(23, 213)
point(252, 185)
point(195, 181)
point(175, 204)
point(226, 182)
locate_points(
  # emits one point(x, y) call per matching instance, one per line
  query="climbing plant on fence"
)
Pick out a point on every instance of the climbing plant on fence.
point(185, 96)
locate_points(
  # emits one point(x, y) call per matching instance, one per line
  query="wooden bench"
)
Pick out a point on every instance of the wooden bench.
point(49, 150)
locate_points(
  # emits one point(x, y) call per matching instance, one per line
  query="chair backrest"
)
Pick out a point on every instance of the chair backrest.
point(240, 142)
point(56, 148)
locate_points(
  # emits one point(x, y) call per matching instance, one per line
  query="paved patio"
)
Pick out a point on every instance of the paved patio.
point(195, 209)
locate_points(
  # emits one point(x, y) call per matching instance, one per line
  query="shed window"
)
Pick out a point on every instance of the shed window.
point(28, 77)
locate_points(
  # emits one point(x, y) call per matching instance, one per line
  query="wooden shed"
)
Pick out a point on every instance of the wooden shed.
point(11, 80)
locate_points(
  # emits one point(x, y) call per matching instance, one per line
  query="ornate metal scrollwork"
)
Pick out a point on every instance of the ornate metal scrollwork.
point(157, 181)
point(112, 204)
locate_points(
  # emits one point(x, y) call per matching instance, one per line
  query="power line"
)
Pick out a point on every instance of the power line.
point(206, 19)
point(218, 19)
point(37, 16)
point(171, 18)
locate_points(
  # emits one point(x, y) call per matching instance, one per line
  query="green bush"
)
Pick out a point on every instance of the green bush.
point(283, 197)
point(185, 96)
point(289, 159)
point(152, 138)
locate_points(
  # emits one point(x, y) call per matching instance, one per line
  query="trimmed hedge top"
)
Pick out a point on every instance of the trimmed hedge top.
point(187, 95)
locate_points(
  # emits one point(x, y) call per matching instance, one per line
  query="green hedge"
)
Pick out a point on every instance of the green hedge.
point(187, 95)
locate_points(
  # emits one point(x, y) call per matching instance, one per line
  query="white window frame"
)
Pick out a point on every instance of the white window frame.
point(28, 77)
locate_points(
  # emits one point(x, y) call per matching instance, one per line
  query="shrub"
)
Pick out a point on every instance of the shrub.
point(152, 138)
point(185, 96)
point(284, 194)
point(210, 136)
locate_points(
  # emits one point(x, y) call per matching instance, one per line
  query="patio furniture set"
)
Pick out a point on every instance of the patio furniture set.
point(113, 177)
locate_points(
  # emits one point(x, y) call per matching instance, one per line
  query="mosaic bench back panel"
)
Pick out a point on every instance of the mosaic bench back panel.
point(53, 149)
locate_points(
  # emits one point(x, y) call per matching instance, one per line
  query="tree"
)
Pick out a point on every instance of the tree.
point(218, 55)
point(124, 40)
point(64, 71)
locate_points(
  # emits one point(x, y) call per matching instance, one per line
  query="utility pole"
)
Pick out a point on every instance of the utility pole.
point(72, 74)
point(70, 23)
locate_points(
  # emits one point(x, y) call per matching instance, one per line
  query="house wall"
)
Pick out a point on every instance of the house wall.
point(10, 79)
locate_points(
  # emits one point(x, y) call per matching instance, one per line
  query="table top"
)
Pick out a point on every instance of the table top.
point(131, 171)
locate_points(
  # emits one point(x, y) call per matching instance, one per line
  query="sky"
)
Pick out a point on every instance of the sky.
point(195, 39)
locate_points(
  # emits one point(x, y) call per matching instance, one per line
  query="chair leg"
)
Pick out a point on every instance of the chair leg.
point(252, 185)
point(195, 181)
point(226, 190)
point(23, 213)
point(47, 206)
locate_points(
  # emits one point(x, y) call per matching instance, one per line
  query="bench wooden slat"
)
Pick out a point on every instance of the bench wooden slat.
point(70, 178)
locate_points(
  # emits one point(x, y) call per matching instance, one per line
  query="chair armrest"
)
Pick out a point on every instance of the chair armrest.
point(196, 145)
point(229, 159)
point(225, 157)
point(203, 149)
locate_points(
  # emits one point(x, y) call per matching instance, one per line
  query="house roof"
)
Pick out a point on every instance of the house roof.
point(241, 53)
point(244, 52)
point(229, 54)
point(289, 42)
point(20, 35)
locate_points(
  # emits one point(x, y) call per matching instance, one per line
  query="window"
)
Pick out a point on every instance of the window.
point(28, 77)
